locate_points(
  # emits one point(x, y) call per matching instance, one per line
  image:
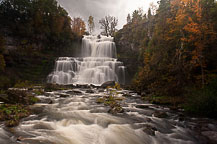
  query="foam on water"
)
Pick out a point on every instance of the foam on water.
point(74, 120)
point(98, 64)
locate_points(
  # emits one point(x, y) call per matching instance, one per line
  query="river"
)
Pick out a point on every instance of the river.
point(74, 117)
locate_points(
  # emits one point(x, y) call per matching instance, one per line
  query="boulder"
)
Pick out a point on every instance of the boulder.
point(160, 114)
point(108, 83)
point(101, 90)
point(212, 135)
point(64, 95)
point(89, 91)
point(116, 110)
point(148, 129)
point(142, 106)
point(74, 92)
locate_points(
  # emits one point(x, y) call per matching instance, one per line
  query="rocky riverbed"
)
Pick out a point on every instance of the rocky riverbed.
point(75, 116)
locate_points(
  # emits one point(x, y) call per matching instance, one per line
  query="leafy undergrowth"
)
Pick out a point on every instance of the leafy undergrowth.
point(203, 102)
point(199, 102)
point(12, 113)
point(16, 106)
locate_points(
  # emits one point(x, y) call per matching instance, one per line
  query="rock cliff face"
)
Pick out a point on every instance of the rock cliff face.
point(26, 61)
point(128, 52)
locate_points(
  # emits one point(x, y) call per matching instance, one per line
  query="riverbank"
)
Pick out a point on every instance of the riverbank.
point(15, 103)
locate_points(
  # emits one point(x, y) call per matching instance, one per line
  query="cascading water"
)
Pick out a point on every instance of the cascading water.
point(75, 116)
point(98, 64)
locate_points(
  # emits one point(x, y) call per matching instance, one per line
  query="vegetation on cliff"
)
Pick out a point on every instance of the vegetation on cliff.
point(32, 34)
point(176, 48)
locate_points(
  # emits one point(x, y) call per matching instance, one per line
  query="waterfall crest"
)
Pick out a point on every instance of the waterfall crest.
point(97, 65)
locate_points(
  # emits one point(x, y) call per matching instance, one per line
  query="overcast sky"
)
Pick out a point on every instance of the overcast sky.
point(100, 8)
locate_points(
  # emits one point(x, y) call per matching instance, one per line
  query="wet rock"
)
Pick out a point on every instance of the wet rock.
point(212, 127)
point(160, 114)
point(142, 106)
point(212, 135)
point(51, 87)
point(74, 92)
point(11, 123)
point(108, 83)
point(43, 126)
point(94, 86)
point(50, 102)
point(46, 101)
point(82, 86)
point(64, 95)
point(101, 90)
point(19, 139)
point(115, 108)
point(149, 130)
point(143, 94)
point(127, 95)
point(181, 117)
point(30, 89)
point(89, 91)
point(37, 109)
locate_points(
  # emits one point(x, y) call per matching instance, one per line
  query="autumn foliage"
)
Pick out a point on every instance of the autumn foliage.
point(176, 46)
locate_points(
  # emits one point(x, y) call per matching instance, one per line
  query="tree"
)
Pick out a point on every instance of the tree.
point(149, 13)
point(113, 24)
point(137, 16)
point(153, 8)
point(108, 24)
point(91, 25)
point(78, 26)
point(2, 61)
point(129, 19)
point(194, 33)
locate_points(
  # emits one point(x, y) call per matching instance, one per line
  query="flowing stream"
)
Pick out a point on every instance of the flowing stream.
point(74, 117)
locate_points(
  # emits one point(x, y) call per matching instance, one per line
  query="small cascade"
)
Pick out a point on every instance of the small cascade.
point(98, 64)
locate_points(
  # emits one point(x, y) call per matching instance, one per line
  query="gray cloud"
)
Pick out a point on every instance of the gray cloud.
point(100, 8)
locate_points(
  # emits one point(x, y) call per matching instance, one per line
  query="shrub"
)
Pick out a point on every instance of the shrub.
point(23, 84)
point(203, 102)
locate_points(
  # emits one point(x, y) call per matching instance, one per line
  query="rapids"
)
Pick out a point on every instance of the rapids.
point(74, 117)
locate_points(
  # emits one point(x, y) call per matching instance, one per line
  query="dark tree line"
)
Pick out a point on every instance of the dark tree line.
point(42, 22)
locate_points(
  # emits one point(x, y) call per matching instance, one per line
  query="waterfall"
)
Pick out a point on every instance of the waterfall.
point(97, 65)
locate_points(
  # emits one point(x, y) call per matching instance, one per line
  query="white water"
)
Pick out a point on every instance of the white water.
point(78, 119)
point(98, 64)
